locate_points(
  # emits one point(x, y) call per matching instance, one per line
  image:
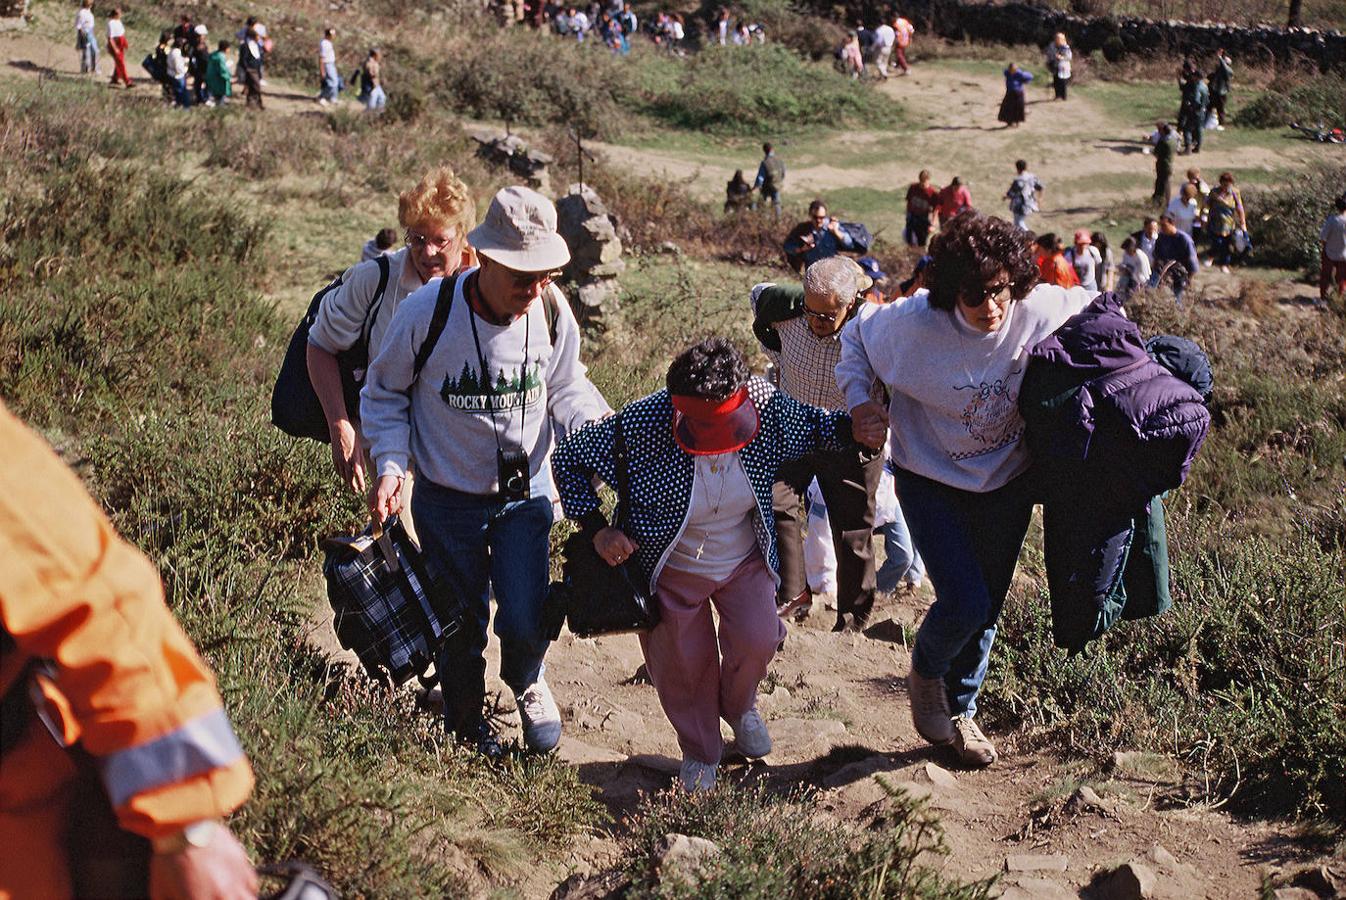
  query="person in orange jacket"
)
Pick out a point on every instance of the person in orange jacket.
point(1053, 267)
point(89, 650)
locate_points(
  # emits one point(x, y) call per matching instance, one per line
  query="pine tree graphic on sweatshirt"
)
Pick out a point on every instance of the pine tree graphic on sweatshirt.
point(471, 393)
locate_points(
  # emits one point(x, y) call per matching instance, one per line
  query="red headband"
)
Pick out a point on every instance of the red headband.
point(704, 409)
point(703, 427)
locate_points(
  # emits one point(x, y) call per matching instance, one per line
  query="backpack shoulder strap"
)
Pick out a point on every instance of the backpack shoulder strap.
point(376, 302)
point(550, 311)
point(440, 318)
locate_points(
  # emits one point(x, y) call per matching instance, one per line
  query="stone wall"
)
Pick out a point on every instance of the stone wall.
point(12, 8)
point(1027, 23)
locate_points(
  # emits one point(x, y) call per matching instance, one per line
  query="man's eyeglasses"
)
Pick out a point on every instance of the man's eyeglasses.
point(524, 280)
point(997, 293)
point(831, 317)
point(421, 242)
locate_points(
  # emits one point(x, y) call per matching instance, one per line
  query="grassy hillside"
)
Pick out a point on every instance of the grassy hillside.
point(151, 268)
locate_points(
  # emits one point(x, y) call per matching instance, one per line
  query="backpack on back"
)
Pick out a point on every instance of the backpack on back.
point(859, 235)
point(295, 407)
point(775, 173)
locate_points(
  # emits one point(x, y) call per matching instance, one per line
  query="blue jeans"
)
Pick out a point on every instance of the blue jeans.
point(917, 230)
point(902, 562)
point(330, 81)
point(482, 545)
point(181, 95)
point(1222, 248)
point(1178, 281)
point(88, 57)
point(970, 543)
point(375, 99)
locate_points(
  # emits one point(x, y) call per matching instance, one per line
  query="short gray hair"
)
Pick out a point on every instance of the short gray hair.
point(837, 277)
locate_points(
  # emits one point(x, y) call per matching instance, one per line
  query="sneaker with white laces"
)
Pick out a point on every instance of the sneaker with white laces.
point(539, 716)
point(696, 775)
point(751, 736)
point(930, 708)
point(973, 747)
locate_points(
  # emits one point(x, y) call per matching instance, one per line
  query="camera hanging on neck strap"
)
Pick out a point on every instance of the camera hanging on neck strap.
point(512, 467)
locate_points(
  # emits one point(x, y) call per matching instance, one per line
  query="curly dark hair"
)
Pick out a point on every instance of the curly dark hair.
point(713, 369)
point(970, 251)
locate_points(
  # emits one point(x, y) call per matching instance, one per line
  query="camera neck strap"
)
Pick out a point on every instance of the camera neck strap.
point(486, 369)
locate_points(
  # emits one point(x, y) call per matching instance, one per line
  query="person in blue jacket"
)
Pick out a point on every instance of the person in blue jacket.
point(1012, 106)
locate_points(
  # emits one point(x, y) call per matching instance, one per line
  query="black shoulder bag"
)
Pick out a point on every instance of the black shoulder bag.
point(593, 597)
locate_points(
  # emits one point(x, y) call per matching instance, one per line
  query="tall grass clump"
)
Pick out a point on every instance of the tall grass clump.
point(133, 334)
point(761, 89)
point(1306, 100)
point(774, 848)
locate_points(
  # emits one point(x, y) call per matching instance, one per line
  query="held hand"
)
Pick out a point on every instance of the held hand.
point(346, 455)
point(218, 871)
point(387, 498)
point(869, 424)
point(614, 546)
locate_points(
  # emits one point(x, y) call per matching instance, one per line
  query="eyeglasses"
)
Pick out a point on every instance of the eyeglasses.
point(996, 293)
point(832, 316)
point(421, 242)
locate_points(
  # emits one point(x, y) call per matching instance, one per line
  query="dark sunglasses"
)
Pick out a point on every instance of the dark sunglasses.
point(991, 293)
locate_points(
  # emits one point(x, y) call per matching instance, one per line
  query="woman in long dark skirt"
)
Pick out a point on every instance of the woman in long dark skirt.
point(1012, 107)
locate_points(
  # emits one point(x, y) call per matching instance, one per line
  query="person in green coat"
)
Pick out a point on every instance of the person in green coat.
point(219, 80)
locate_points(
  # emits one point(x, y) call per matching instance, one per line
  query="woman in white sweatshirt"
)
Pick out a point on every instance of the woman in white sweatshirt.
point(953, 359)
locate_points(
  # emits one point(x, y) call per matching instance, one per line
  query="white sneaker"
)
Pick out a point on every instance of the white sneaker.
point(751, 736)
point(696, 775)
point(322, 101)
point(539, 716)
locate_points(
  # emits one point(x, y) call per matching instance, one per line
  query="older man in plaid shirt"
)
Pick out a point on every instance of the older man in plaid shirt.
point(800, 328)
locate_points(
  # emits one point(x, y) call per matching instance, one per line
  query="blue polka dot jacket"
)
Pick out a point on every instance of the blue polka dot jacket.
point(660, 472)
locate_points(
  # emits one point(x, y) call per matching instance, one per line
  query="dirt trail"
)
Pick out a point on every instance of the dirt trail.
point(836, 703)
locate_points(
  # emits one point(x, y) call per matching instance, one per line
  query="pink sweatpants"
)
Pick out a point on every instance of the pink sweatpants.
point(697, 682)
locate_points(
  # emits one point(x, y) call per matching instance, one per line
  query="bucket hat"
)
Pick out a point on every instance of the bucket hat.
point(519, 232)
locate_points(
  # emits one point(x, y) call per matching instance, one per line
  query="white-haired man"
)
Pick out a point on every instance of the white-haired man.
point(800, 326)
point(471, 381)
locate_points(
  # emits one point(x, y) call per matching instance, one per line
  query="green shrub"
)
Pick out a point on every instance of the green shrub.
point(775, 849)
point(1308, 101)
point(1283, 220)
point(785, 23)
point(758, 90)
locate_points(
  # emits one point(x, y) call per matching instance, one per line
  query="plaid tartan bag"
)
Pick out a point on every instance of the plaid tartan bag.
point(387, 608)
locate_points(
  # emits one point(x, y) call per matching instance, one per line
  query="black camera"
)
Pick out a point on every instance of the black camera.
point(514, 478)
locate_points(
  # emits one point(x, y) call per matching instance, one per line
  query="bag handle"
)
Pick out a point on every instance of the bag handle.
point(619, 456)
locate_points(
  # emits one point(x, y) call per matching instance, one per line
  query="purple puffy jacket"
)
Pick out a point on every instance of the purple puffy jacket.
point(1106, 418)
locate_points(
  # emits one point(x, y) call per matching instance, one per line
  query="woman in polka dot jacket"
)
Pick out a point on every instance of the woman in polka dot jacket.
point(701, 458)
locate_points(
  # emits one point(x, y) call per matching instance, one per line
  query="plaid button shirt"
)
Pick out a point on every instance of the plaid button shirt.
point(808, 364)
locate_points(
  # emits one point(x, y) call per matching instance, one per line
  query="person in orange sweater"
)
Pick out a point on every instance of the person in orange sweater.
point(117, 761)
point(1053, 267)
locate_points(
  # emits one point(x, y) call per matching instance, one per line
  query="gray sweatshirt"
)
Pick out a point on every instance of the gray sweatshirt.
point(443, 420)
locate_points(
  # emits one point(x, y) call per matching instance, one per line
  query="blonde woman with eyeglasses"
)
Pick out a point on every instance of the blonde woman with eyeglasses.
point(435, 216)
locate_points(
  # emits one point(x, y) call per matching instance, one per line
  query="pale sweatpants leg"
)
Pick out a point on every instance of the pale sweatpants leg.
point(698, 678)
point(820, 552)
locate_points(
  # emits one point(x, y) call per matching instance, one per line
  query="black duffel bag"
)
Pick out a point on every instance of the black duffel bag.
point(595, 598)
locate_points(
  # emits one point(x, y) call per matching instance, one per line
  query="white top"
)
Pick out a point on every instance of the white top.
point(260, 29)
point(326, 52)
point(115, 29)
point(719, 533)
point(1333, 234)
point(443, 419)
point(1087, 265)
point(1136, 266)
point(342, 313)
point(84, 20)
point(886, 36)
point(954, 414)
point(1184, 214)
point(177, 64)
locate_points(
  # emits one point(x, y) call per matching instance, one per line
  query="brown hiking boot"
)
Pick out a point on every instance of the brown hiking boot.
point(973, 747)
point(930, 709)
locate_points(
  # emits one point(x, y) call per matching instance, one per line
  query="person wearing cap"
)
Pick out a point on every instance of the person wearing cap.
point(435, 216)
point(1086, 259)
point(877, 277)
point(916, 281)
point(702, 456)
point(800, 326)
point(952, 361)
point(478, 418)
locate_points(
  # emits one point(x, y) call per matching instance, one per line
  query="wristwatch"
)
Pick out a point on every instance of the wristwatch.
point(197, 834)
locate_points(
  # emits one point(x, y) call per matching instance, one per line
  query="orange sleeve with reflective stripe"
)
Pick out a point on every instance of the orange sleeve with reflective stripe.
point(141, 700)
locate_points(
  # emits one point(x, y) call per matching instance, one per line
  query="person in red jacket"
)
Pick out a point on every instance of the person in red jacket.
point(89, 650)
point(953, 200)
point(1053, 267)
